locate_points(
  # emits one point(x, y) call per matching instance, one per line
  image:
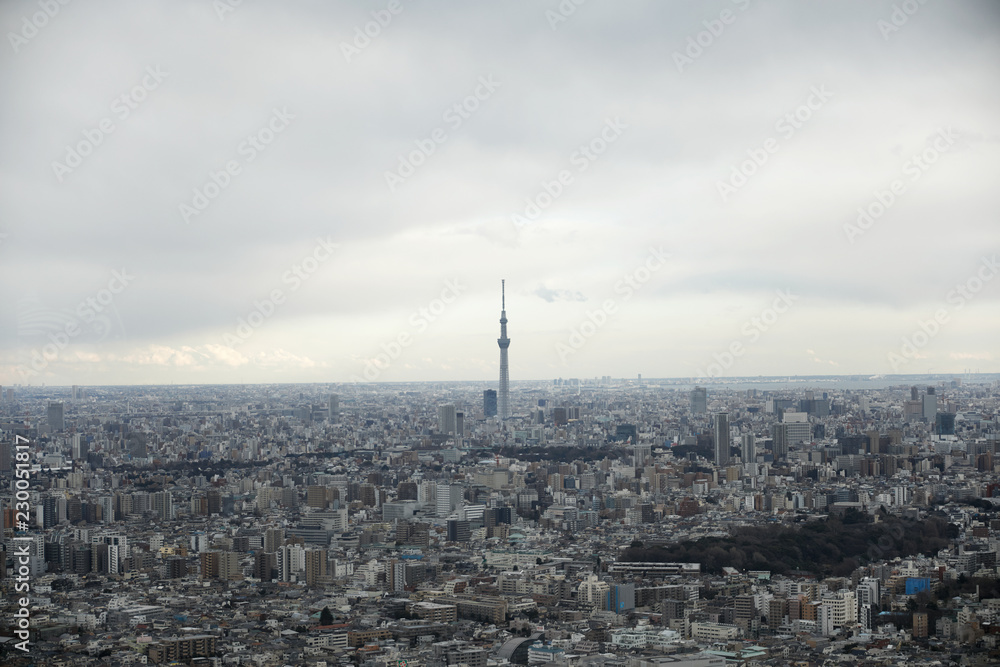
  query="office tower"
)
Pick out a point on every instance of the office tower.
point(448, 499)
point(459, 426)
point(55, 417)
point(721, 439)
point(490, 403)
point(6, 456)
point(930, 405)
point(446, 419)
point(503, 402)
point(944, 424)
point(699, 400)
point(914, 394)
point(458, 530)
point(798, 427)
point(497, 515)
point(779, 441)
point(333, 407)
point(749, 451)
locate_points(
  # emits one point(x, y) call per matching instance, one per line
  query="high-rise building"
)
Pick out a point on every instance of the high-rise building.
point(163, 505)
point(779, 441)
point(55, 417)
point(798, 428)
point(874, 442)
point(642, 454)
point(333, 407)
point(273, 539)
point(459, 426)
point(315, 566)
point(749, 450)
point(490, 403)
point(503, 397)
point(699, 400)
point(446, 419)
point(944, 424)
point(930, 405)
point(449, 499)
point(721, 439)
point(458, 530)
point(620, 598)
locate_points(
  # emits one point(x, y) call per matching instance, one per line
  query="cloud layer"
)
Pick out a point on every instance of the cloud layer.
point(292, 195)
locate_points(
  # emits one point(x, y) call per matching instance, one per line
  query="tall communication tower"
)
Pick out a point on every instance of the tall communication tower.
point(503, 399)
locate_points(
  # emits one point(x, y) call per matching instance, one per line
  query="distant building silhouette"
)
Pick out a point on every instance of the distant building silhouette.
point(55, 417)
point(699, 400)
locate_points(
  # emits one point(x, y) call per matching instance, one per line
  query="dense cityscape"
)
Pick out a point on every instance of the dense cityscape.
point(634, 523)
point(257, 407)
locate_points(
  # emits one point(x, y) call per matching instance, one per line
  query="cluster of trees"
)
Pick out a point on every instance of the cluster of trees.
point(831, 547)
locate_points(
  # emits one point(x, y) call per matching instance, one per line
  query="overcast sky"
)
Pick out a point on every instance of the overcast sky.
point(700, 158)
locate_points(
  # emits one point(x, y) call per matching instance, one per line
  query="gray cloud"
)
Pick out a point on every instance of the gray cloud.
point(325, 176)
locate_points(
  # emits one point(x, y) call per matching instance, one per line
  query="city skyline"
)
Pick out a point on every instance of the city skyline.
point(219, 214)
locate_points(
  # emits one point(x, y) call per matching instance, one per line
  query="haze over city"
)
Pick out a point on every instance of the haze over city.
point(220, 192)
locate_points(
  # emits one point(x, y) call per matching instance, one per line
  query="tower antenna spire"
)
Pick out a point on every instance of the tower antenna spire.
point(503, 396)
